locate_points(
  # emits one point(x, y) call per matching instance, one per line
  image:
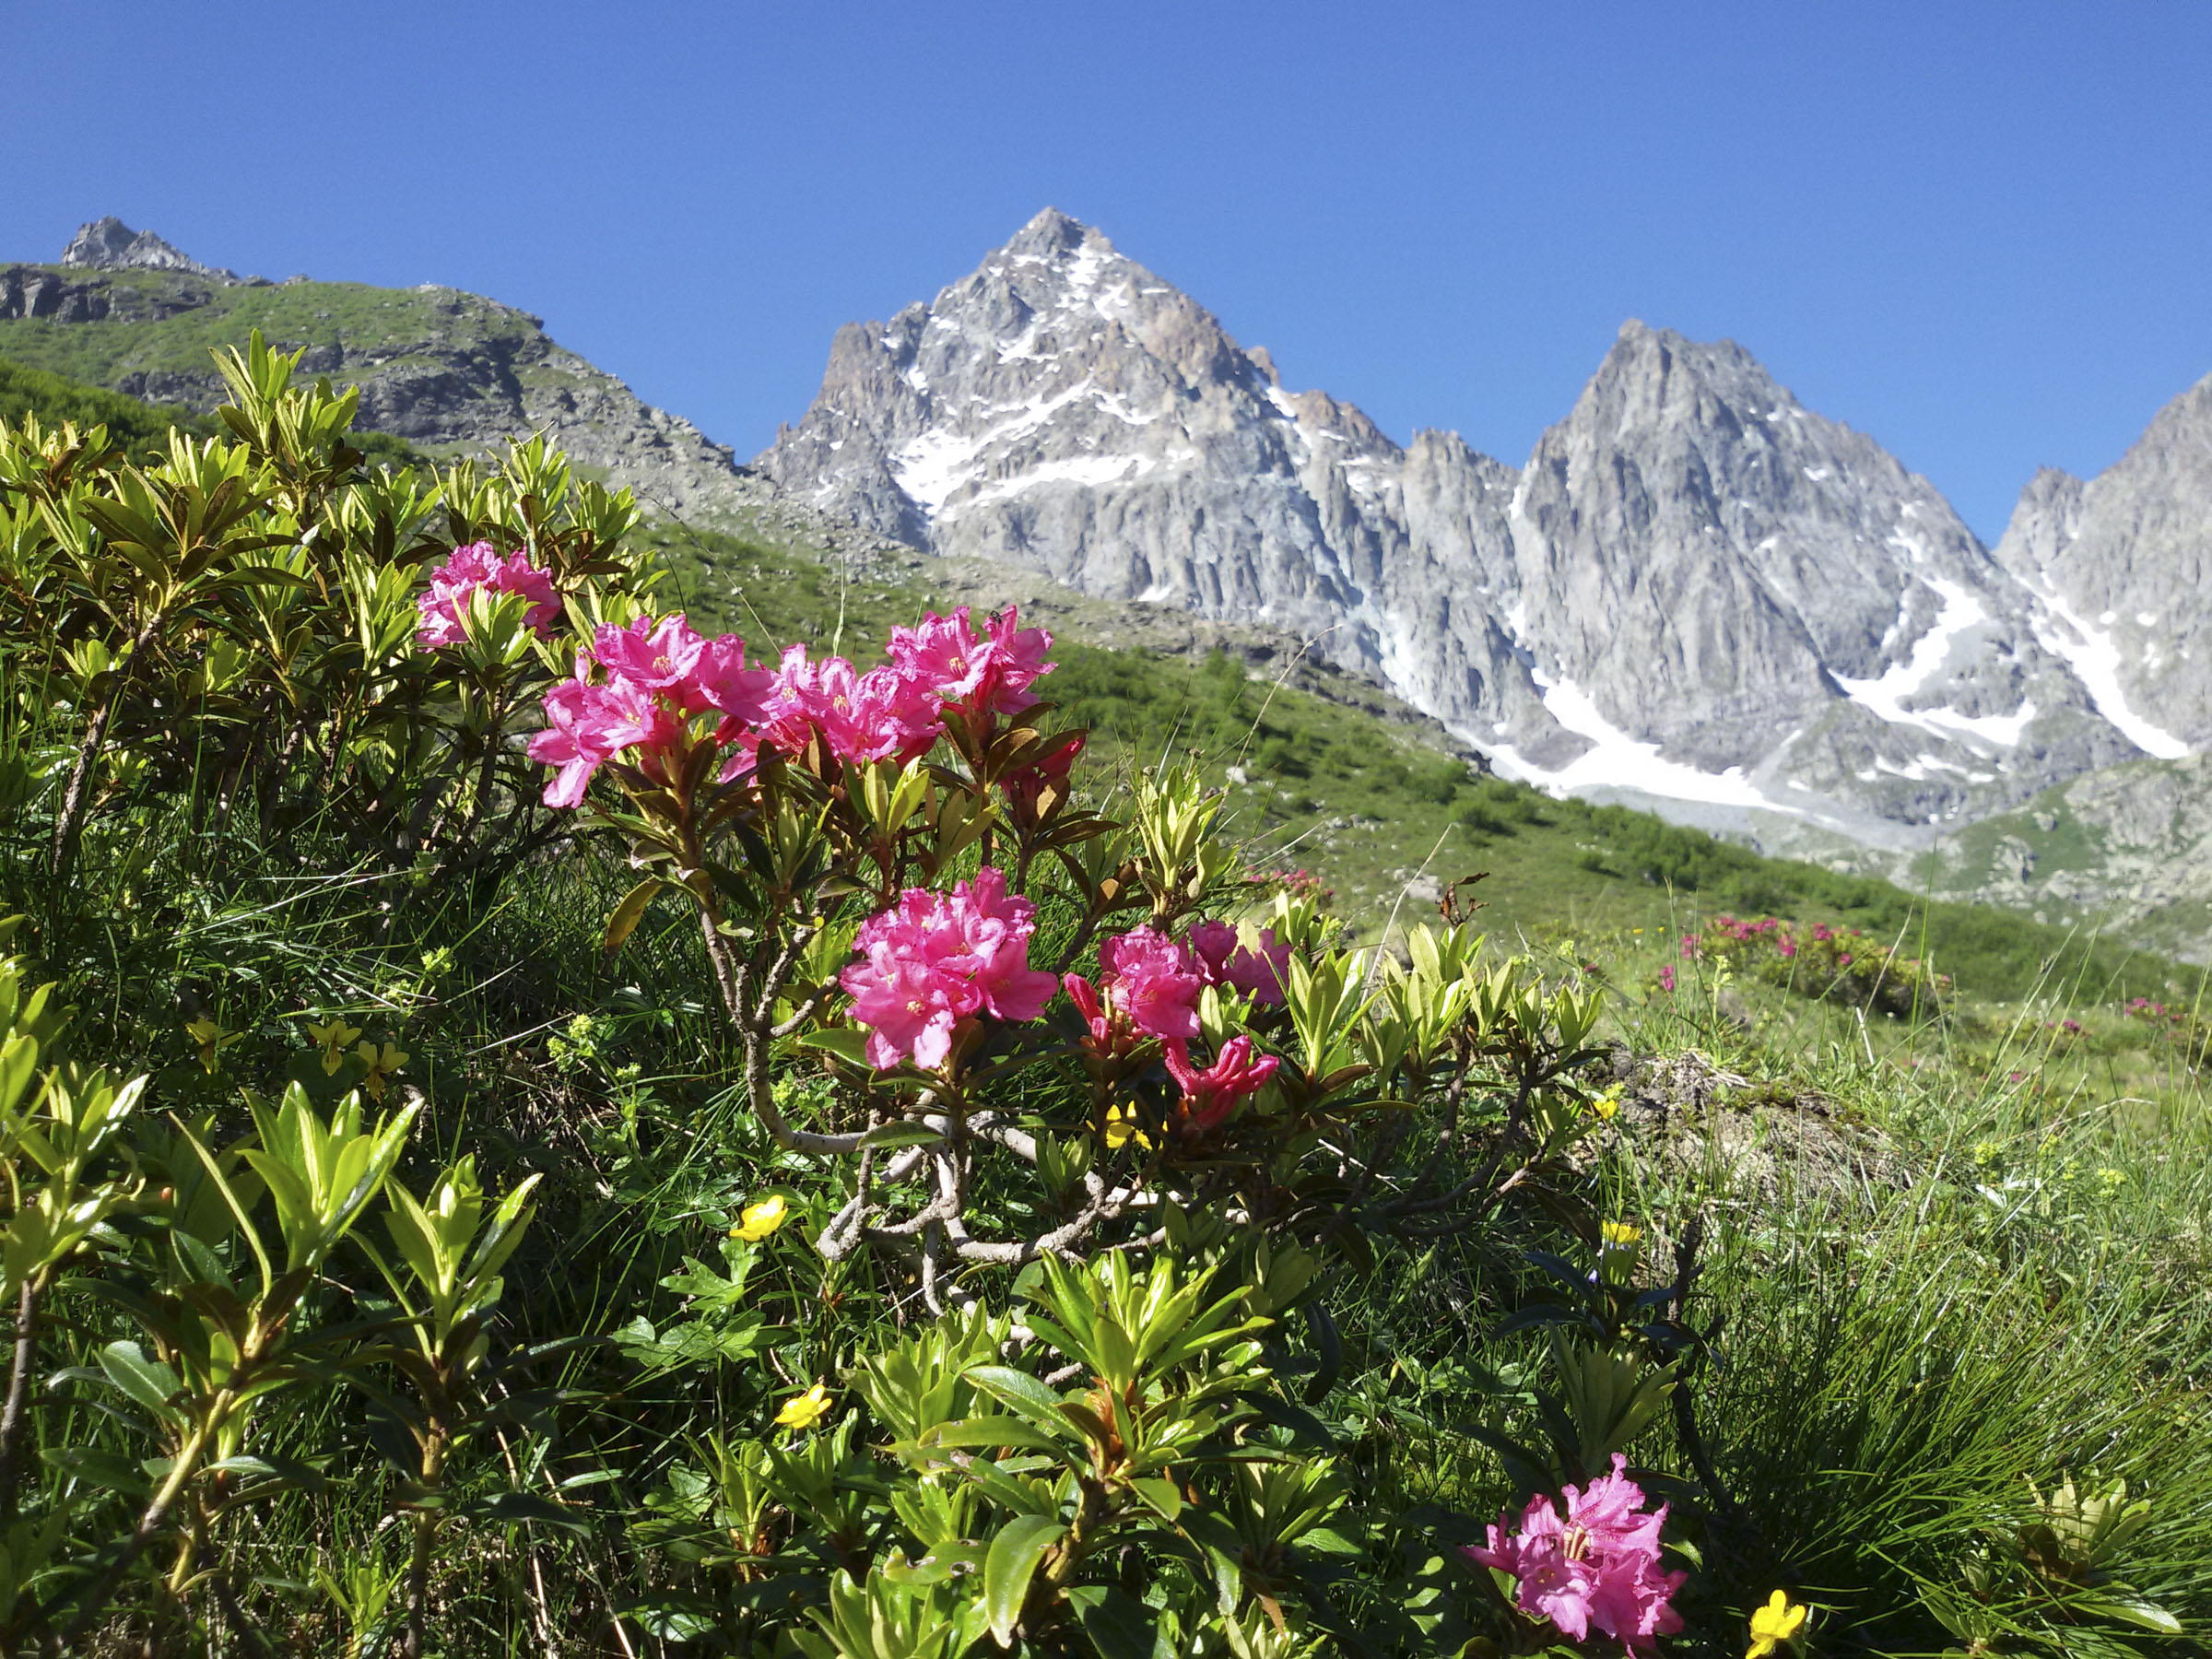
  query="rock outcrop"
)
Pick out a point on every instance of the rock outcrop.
point(2121, 567)
point(108, 244)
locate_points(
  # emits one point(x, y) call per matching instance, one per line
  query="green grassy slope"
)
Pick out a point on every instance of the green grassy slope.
point(150, 339)
point(55, 398)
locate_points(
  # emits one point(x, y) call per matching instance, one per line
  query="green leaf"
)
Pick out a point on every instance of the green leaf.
point(1021, 1390)
point(844, 1042)
point(2117, 1601)
point(1118, 1625)
point(986, 1432)
point(629, 912)
point(1012, 1562)
point(148, 1381)
point(1224, 1551)
point(1159, 1496)
point(526, 1507)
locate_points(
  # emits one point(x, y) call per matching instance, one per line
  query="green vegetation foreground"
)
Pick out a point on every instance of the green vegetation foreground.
point(530, 1127)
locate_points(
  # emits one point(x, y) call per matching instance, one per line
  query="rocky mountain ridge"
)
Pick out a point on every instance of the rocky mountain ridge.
point(1696, 593)
point(453, 373)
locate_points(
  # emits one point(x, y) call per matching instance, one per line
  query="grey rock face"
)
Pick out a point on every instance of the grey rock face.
point(1715, 568)
point(2127, 847)
point(108, 244)
point(1065, 410)
point(2121, 567)
point(1697, 589)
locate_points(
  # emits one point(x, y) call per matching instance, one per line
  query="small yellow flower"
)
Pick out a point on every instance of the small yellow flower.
point(1122, 1128)
point(211, 1038)
point(1774, 1625)
point(334, 1039)
point(1607, 1106)
point(758, 1220)
point(382, 1064)
point(1619, 1252)
point(804, 1411)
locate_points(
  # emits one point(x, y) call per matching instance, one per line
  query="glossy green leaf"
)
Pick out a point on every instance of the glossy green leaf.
point(1020, 1545)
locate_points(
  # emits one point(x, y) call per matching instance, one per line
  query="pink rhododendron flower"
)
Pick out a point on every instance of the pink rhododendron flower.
point(656, 654)
point(587, 725)
point(1594, 1568)
point(1261, 974)
point(470, 569)
point(720, 680)
point(1209, 1096)
point(987, 673)
point(945, 655)
point(909, 1007)
point(934, 958)
point(894, 719)
point(994, 927)
point(1154, 981)
point(875, 716)
point(1018, 663)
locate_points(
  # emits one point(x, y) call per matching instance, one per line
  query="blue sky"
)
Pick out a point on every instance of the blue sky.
point(1978, 231)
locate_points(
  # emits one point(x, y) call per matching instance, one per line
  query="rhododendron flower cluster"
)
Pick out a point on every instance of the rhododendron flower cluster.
point(1594, 1568)
point(474, 568)
point(989, 673)
point(588, 724)
point(936, 959)
point(660, 667)
point(659, 674)
point(1259, 972)
point(1153, 981)
point(879, 715)
point(1210, 1096)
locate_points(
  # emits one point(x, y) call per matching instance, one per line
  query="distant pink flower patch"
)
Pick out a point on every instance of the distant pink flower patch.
point(474, 569)
point(1154, 981)
point(1666, 977)
point(1261, 974)
point(1210, 1096)
point(935, 960)
point(1594, 1568)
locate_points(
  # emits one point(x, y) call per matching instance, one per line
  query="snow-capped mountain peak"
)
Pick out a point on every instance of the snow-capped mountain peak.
point(1696, 591)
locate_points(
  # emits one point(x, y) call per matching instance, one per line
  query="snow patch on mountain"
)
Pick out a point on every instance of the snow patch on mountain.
point(2094, 656)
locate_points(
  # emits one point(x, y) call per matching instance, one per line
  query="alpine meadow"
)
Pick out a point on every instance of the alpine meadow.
point(1089, 1012)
